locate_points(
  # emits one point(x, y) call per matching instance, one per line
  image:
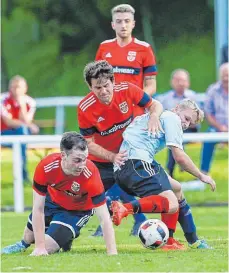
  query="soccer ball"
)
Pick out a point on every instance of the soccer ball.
point(153, 233)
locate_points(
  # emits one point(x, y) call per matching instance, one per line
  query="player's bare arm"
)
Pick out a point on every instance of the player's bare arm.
point(39, 224)
point(155, 109)
point(187, 164)
point(107, 227)
point(150, 85)
point(102, 153)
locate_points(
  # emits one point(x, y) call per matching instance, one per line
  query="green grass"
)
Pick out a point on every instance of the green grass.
point(88, 253)
point(219, 172)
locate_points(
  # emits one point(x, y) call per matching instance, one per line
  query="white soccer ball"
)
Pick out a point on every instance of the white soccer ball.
point(153, 233)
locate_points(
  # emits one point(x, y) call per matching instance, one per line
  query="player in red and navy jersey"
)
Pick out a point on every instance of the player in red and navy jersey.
point(67, 189)
point(104, 114)
point(17, 112)
point(133, 61)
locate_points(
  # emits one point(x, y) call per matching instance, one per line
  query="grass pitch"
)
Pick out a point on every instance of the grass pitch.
point(88, 253)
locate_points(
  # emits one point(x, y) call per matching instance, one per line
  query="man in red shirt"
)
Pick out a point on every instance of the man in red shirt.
point(133, 61)
point(17, 112)
point(104, 114)
point(67, 188)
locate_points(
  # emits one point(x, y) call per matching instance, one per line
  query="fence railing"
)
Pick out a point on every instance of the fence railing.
point(61, 102)
point(54, 140)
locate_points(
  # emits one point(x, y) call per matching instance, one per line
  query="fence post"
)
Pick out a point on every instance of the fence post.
point(60, 120)
point(18, 179)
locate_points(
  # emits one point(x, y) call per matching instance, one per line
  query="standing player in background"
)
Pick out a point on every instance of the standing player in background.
point(133, 61)
point(66, 188)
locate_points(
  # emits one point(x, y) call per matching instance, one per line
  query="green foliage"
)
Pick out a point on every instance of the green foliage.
point(88, 253)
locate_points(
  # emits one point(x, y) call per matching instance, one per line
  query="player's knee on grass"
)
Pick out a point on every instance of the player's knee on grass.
point(62, 235)
point(28, 236)
point(173, 202)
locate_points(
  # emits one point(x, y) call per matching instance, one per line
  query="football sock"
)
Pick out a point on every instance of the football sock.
point(187, 222)
point(171, 221)
point(149, 204)
point(25, 244)
point(115, 193)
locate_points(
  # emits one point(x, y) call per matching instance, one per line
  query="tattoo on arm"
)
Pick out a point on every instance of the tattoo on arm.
point(151, 77)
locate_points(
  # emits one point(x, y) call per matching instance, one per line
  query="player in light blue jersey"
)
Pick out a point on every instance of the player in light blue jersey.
point(142, 176)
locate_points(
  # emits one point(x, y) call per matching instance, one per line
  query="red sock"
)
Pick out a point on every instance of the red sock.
point(170, 220)
point(149, 204)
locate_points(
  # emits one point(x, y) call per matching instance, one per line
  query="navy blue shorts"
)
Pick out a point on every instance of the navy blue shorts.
point(141, 179)
point(107, 173)
point(58, 216)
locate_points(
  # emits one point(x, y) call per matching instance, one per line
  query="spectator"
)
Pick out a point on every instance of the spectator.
point(180, 82)
point(17, 112)
point(216, 111)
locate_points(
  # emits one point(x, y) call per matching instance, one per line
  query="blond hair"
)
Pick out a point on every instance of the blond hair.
point(122, 8)
point(187, 103)
point(17, 79)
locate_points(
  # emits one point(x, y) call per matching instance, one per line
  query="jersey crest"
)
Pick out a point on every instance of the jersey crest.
point(123, 107)
point(131, 56)
point(75, 186)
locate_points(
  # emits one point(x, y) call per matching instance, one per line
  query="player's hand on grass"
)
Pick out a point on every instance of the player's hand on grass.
point(208, 180)
point(39, 252)
point(120, 158)
point(154, 125)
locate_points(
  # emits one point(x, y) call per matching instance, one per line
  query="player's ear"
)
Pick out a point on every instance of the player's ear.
point(63, 154)
point(134, 23)
point(112, 25)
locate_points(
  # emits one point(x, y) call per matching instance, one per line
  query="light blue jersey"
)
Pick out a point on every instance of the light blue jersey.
point(142, 146)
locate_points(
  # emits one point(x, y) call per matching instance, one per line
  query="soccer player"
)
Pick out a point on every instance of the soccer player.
point(133, 61)
point(67, 189)
point(17, 113)
point(142, 176)
point(104, 114)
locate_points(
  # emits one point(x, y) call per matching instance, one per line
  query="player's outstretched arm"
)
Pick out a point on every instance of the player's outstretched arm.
point(39, 224)
point(107, 227)
point(187, 164)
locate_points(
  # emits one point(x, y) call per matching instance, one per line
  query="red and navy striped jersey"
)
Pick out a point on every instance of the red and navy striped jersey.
point(83, 192)
point(106, 123)
point(130, 63)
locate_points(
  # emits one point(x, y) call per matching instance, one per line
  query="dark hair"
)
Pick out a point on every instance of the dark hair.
point(98, 69)
point(72, 140)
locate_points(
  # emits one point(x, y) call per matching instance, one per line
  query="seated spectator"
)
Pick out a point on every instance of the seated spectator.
point(180, 82)
point(17, 112)
point(216, 112)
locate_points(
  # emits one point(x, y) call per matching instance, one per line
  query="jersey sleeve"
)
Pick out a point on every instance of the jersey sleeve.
point(97, 190)
point(138, 96)
point(98, 55)
point(149, 62)
point(40, 180)
point(173, 131)
point(87, 129)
